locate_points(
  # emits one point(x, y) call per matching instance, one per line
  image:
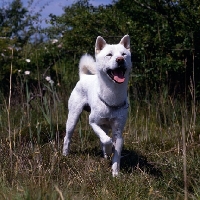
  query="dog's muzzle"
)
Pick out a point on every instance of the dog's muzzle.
point(117, 74)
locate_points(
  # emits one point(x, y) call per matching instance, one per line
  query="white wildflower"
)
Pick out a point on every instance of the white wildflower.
point(48, 78)
point(27, 72)
point(19, 70)
point(28, 60)
point(54, 41)
point(18, 48)
point(2, 54)
point(10, 48)
point(51, 82)
point(60, 46)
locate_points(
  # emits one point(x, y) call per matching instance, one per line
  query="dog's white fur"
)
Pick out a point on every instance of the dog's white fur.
point(106, 98)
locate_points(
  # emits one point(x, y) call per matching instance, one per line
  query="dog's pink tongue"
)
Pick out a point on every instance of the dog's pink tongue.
point(118, 76)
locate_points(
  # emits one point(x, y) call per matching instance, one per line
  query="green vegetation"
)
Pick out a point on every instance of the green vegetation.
point(39, 68)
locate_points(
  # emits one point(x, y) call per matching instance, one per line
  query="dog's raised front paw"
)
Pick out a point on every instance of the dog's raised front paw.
point(106, 140)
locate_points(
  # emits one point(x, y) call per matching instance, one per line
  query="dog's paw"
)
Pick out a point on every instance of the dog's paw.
point(65, 152)
point(115, 173)
point(115, 169)
point(107, 150)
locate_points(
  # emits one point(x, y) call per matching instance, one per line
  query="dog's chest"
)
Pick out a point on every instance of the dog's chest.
point(105, 114)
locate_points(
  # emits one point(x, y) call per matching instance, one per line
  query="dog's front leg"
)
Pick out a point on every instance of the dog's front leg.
point(117, 155)
point(104, 138)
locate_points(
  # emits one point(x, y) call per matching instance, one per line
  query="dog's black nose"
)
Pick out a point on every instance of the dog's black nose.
point(120, 60)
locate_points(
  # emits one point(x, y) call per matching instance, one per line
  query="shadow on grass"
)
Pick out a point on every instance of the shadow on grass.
point(131, 161)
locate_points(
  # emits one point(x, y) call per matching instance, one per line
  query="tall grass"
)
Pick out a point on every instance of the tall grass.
point(160, 158)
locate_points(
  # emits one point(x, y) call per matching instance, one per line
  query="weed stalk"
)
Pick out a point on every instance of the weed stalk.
point(9, 108)
point(184, 158)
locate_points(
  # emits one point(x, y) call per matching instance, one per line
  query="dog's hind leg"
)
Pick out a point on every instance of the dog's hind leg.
point(70, 125)
point(107, 149)
point(75, 108)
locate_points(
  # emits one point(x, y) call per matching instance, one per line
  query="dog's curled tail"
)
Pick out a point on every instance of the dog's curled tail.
point(87, 65)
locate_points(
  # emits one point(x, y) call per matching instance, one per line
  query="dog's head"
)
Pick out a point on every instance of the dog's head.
point(114, 60)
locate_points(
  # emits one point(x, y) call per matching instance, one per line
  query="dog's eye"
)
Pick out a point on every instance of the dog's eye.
point(110, 54)
point(123, 54)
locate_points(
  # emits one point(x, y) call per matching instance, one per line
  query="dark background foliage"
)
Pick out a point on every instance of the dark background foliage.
point(164, 41)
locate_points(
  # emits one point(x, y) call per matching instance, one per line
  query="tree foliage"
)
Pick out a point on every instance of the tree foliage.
point(16, 30)
point(164, 39)
point(164, 34)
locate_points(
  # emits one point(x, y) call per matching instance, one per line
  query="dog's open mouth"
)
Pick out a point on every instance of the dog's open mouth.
point(117, 75)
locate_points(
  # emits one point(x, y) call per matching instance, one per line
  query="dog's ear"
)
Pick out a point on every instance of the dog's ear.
point(125, 41)
point(100, 44)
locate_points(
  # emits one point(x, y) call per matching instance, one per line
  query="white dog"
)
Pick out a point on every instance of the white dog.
point(102, 89)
